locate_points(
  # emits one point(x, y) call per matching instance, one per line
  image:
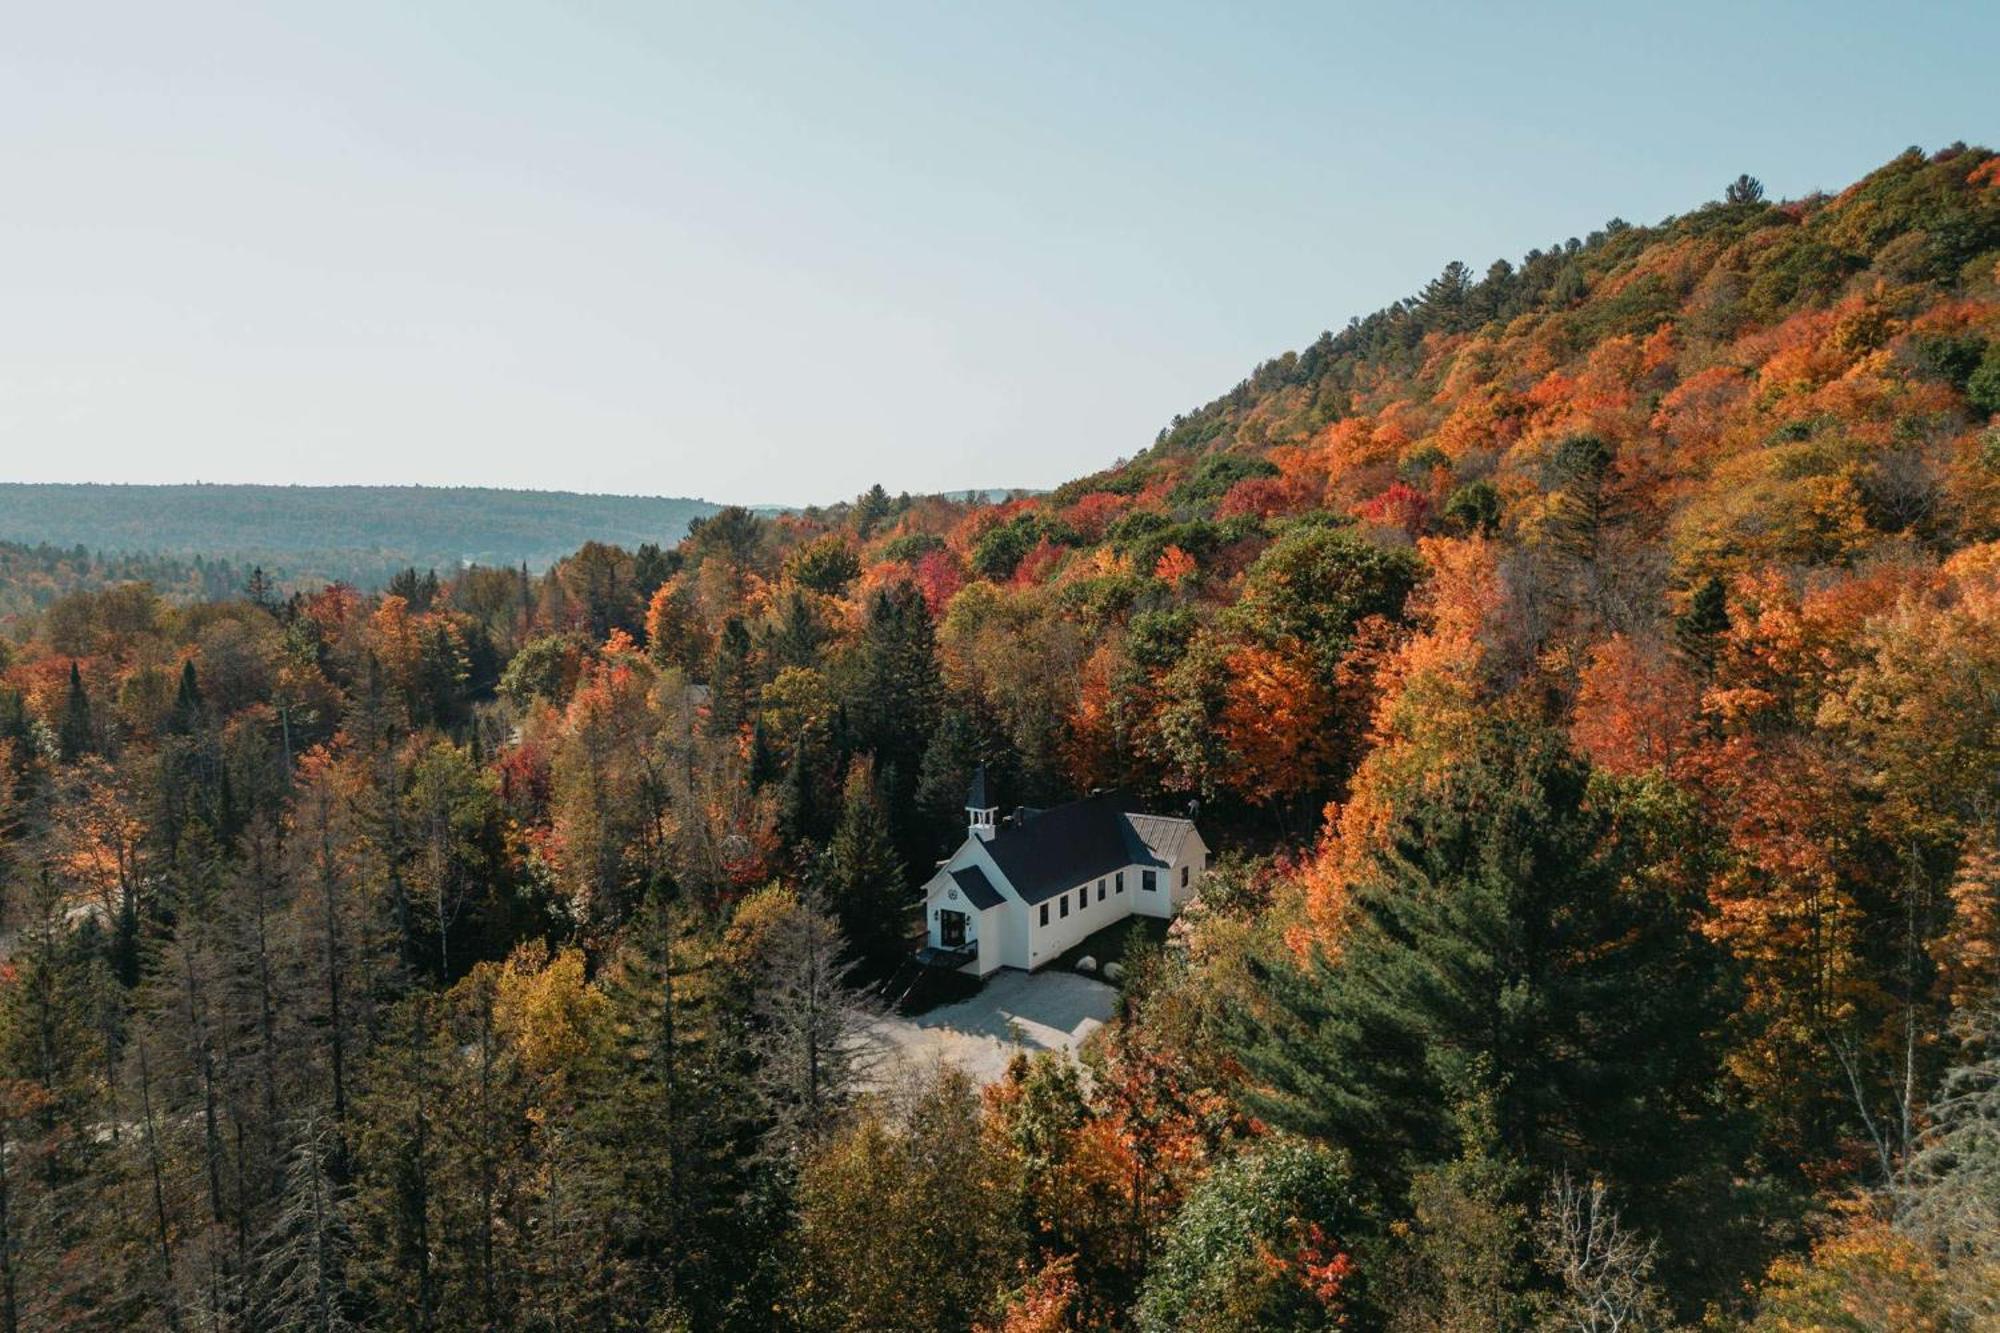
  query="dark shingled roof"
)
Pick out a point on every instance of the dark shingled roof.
point(1061, 848)
point(978, 889)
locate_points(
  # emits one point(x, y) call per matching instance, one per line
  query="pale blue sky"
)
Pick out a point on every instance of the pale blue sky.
point(773, 253)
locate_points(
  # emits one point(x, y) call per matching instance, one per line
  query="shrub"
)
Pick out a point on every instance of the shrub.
point(1982, 386)
point(1213, 477)
point(1474, 508)
point(1259, 1244)
point(912, 547)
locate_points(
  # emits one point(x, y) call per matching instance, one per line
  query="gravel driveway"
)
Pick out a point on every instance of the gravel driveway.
point(1047, 1011)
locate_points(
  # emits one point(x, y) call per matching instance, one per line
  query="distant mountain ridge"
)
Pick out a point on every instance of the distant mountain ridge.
point(360, 534)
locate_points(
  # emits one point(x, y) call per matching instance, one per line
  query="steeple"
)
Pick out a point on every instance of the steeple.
point(980, 812)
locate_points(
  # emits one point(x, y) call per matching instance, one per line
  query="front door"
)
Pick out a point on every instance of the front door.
point(951, 929)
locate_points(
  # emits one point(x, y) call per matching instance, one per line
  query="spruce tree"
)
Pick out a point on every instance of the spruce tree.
point(73, 738)
point(870, 509)
point(665, 1125)
point(1497, 952)
point(799, 818)
point(809, 1044)
point(863, 876)
point(893, 703)
point(262, 593)
point(185, 719)
point(946, 774)
point(762, 767)
point(1444, 298)
point(397, 1206)
point(1699, 629)
point(303, 1257)
point(729, 680)
point(51, 1087)
point(801, 634)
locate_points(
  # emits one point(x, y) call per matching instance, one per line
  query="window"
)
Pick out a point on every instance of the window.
point(1045, 914)
point(1063, 902)
point(1119, 879)
point(1149, 881)
point(1184, 871)
point(1100, 890)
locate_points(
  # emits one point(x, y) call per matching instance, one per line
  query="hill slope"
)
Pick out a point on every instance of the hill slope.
point(1590, 676)
point(360, 534)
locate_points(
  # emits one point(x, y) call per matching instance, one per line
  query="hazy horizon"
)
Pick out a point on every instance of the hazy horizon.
point(773, 255)
point(742, 502)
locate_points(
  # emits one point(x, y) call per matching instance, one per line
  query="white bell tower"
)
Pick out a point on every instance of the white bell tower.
point(981, 814)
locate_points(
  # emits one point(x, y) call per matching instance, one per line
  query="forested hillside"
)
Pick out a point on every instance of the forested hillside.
point(1589, 670)
point(355, 534)
point(31, 577)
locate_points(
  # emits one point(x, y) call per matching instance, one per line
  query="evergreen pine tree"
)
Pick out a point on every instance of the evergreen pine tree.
point(51, 1085)
point(949, 760)
point(893, 703)
point(870, 509)
point(304, 1256)
point(185, 719)
point(1699, 629)
point(800, 635)
point(398, 1146)
point(666, 1125)
point(863, 875)
point(651, 567)
point(729, 680)
point(763, 765)
point(809, 1029)
point(17, 726)
point(263, 594)
point(1445, 298)
point(1495, 953)
point(798, 813)
point(1745, 189)
point(1576, 474)
point(73, 738)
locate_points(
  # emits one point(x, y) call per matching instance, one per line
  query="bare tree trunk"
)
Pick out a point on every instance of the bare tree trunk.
point(668, 1056)
point(1850, 1065)
point(421, 1180)
point(392, 855)
point(267, 1010)
point(336, 1017)
point(10, 1318)
point(197, 1018)
point(46, 1063)
point(487, 1186)
point(162, 1228)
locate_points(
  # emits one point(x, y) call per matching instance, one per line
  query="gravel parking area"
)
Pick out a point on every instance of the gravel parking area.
point(1045, 1011)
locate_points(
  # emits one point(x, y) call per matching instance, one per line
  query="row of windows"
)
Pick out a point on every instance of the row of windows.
point(1149, 882)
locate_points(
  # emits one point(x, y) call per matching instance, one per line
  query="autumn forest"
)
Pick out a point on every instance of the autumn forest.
point(1587, 671)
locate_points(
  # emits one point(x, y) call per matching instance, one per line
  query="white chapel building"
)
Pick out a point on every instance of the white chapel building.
point(1018, 893)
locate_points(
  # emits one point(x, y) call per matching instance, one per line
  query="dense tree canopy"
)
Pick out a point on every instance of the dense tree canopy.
point(1587, 668)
